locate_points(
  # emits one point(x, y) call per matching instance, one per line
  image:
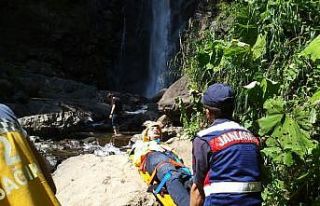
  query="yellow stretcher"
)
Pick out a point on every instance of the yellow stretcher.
point(164, 199)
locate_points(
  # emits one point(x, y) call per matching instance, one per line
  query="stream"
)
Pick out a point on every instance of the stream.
point(100, 144)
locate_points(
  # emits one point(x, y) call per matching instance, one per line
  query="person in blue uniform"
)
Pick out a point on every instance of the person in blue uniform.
point(226, 156)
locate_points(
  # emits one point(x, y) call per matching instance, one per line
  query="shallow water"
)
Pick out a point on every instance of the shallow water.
point(100, 144)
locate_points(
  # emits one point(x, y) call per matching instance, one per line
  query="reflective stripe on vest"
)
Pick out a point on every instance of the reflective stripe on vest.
point(232, 187)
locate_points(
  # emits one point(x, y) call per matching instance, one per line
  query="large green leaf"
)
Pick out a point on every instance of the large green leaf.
point(236, 48)
point(274, 106)
point(271, 152)
point(302, 116)
point(291, 72)
point(315, 99)
point(278, 155)
point(284, 158)
point(268, 123)
point(313, 116)
point(272, 142)
point(313, 49)
point(259, 48)
point(292, 137)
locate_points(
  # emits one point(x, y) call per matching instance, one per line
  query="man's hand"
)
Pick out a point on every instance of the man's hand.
point(196, 195)
point(110, 116)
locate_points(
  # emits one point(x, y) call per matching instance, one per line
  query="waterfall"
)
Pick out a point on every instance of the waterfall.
point(122, 54)
point(123, 39)
point(159, 46)
point(148, 39)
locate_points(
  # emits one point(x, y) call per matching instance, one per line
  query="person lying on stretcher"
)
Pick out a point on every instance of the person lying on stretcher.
point(163, 165)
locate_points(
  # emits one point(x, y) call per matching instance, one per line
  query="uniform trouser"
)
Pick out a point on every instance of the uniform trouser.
point(175, 184)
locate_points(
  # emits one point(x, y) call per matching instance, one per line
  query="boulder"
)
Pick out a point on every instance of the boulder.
point(111, 180)
point(37, 85)
point(158, 96)
point(54, 124)
point(91, 180)
point(52, 118)
point(168, 103)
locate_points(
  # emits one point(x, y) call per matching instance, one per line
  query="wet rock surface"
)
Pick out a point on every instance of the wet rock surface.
point(99, 144)
point(66, 106)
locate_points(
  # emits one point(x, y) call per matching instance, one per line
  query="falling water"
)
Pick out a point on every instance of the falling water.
point(123, 39)
point(159, 46)
point(120, 69)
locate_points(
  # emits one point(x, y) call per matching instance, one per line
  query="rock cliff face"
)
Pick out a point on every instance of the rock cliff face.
point(77, 40)
point(56, 56)
point(100, 42)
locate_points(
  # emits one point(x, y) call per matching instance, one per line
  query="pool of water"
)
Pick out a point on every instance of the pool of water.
point(100, 144)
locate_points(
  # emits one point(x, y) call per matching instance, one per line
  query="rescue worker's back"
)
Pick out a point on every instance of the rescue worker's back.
point(22, 182)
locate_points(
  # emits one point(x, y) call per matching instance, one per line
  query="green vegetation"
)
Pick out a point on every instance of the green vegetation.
point(269, 51)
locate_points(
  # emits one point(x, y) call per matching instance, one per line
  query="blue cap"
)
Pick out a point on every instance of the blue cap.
point(219, 96)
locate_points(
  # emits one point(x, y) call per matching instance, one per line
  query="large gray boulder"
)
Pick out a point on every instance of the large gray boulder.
point(178, 89)
point(52, 118)
point(61, 116)
point(90, 180)
point(37, 85)
point(169, 101)
point(109, 181)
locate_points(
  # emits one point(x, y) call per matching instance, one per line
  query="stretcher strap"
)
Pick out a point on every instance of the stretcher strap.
point(166, 177)
point(143, 162)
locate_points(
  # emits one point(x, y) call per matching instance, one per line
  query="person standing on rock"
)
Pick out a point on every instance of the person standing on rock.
point(24, 177)
point(115, 113)
point(226, 157)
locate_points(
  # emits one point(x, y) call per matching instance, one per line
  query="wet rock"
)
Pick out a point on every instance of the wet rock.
point(121, 140)
point(107, 150)
point(158, 96)
point(54, 124)
point(57, 151)
point(52, 118)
